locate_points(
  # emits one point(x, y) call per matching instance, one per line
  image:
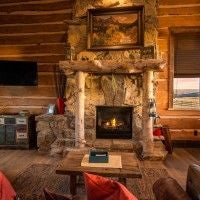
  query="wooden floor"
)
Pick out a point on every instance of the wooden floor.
point(13, 162)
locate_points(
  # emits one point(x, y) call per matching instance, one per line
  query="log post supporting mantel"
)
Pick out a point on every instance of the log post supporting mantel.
point(148, 85)
point(80, 110)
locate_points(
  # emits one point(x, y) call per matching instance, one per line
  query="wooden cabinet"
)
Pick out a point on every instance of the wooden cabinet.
point(17, 131)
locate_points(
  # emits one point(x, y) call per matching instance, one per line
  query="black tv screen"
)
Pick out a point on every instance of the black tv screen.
point(18, 73)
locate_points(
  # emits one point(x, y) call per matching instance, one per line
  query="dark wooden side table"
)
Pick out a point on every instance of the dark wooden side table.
point(71, 166)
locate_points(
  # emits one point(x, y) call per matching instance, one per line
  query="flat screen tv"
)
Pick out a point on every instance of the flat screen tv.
point(18, 73)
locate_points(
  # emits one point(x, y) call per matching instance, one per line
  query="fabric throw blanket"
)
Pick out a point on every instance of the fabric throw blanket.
point(6, 190)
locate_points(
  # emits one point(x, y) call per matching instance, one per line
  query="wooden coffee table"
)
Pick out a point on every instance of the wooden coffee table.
point(71, 165)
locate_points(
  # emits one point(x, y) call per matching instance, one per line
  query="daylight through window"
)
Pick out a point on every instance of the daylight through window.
point(186, 93)
point(186, 83)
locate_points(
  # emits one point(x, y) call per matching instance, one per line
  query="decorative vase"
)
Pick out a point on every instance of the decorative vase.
point(60, 104)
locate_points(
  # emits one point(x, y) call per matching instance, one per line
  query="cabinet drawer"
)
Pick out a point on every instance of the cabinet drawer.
point(9, 120)
point(2, 135)
point(21, 135)
point(10, 136)
point(20, 120)
point(21, 128)
point(2, 121)
point(10, 128)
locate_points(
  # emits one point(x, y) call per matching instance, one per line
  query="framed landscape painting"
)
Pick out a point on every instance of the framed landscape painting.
point(115, 28)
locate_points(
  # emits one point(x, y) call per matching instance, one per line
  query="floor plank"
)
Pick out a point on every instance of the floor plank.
point(12, 162)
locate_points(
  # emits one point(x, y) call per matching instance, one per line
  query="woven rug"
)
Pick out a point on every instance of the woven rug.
point(30, 183)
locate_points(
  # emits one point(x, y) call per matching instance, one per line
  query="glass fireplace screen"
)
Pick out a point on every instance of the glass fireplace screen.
point(114, 122)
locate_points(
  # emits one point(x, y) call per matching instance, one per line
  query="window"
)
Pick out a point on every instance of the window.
point(186, 60)
point(186, 93)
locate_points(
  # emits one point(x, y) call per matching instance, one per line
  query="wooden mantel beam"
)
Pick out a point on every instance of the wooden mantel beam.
point(111, 66)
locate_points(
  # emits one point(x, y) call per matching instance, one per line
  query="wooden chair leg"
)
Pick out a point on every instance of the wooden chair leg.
point(73, 185)
point(167, 141)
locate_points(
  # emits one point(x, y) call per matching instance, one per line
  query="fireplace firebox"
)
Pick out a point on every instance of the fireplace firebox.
point(114, 122)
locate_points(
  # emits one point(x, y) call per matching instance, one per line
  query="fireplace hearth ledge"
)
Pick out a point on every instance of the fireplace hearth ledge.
point(81, 68)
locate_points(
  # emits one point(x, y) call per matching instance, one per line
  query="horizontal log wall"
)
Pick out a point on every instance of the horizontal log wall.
point(33, 30)
point(180, 13)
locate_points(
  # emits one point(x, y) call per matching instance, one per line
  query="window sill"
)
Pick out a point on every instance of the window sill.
point(184, 109)
point(182, 113)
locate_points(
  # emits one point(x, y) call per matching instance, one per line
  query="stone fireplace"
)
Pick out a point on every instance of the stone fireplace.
point(114, 122)
point(121, 79)
point(97, 85)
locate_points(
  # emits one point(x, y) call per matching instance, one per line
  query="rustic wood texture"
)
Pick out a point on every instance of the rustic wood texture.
point(27, 49)
point(43, 58)
point(71, 164)
point(27, 101)
point(80, 110)
point(190, 10)
point(13, 162)
point(17, 1)
point(35, 7)
point(112, 66)
point(178, 2)
point(33, 30)
point(185, 134)
point(32, 18)
point(46, 91)
point(185, 122)
point(33, 38)
point(147, 131)
point(180, 13)
point(178, 20)
point(47, 67)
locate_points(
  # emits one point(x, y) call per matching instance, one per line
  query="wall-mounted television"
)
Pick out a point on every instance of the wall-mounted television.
point(18, 73)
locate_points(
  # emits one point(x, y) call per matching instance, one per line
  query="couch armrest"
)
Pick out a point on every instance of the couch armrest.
point(193, 182)
point(169, 189)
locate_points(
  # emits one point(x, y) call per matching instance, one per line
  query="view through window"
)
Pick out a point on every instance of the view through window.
point(186, 93)
point(186, 80)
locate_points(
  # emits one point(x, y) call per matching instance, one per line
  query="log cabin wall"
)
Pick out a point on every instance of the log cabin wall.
point(180, 13)
point(33, 30)
point(36, 30)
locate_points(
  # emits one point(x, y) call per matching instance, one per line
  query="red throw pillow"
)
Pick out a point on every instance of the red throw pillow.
point(157, 132)
point(6, 190)
point(100, 188)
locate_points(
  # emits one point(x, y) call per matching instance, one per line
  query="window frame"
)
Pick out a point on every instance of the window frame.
point(172, 32)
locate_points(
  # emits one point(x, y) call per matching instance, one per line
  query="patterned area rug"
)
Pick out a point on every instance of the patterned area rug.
point(30, 183)
point(142, 188)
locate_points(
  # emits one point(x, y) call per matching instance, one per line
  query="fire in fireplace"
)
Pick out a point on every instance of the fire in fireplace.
point(114, 122)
